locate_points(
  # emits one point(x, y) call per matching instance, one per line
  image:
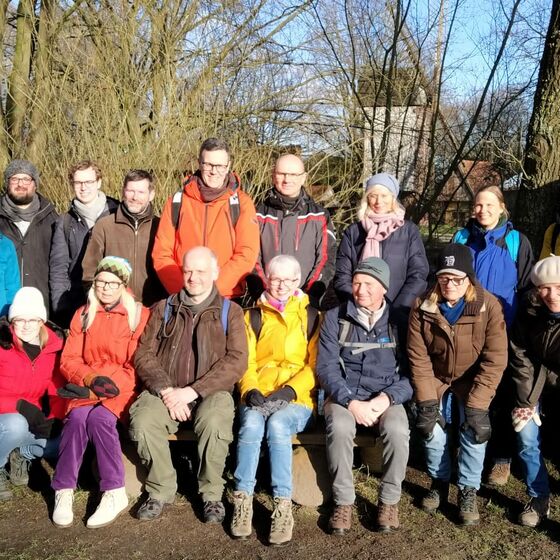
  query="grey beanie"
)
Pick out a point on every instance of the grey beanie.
point(376, 268)
point(385, 180)
point(21, 166)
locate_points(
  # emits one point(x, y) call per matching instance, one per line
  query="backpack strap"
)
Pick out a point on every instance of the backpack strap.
point(359, 347)
point(255, 320)
point(554, 238)
point(312, 321)
point(66, 225)
point(176, 208)
point(234, 209)
point(225, 311)
point(512, 243)
point(461, 236)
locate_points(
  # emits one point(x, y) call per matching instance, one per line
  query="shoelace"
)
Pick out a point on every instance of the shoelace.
point(390, 511)
point(280, 516)
point(213, 508)
point(241, 512)
point(469, 501)
point(341, 514)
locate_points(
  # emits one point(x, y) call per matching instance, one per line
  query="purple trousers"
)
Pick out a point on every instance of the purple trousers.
point(98, 425)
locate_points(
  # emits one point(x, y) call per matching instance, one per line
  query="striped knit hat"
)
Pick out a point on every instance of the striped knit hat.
point(118, 266)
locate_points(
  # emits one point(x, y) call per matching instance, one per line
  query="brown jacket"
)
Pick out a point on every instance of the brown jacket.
point(220, 360)
point(117, 235)
point(470, 356)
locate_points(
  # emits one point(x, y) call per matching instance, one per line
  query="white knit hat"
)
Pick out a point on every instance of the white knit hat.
point(546, 271)
point(28, 303)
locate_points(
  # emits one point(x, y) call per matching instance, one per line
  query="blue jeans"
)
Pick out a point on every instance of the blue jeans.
point(14, 433)
point(534, 469)
point(280, 427)
point(471, 454)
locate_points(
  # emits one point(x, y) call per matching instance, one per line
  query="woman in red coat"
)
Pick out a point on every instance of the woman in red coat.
point(97, 363)
point(28, 371)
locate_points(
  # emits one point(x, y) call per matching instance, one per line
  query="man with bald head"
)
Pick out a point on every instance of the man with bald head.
point(191, 354)
point(292, 223)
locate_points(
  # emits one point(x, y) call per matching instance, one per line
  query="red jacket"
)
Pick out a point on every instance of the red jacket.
point(107, 349)
point(21, 378)
point(208, 224)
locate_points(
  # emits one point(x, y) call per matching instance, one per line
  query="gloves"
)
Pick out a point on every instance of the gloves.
point(104, 386)
point(254, 398)
point(73, 391)
point(39, 426)
point(520, 417)
point(479, 422)
point(6, 339)
point(286, 393)
point(427, 418)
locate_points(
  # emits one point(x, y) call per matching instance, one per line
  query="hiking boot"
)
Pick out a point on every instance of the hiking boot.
point(387, 517)
point(19, 469)
point(535, 510)
point(5, 492)
point(214, 512)
point(112, 504)
point(499, 474)
point(436, 496)
point(468, 509)
point(282, 522)
point(341, 520)
point(63, 516)
point(242, 515)
point(150, 509)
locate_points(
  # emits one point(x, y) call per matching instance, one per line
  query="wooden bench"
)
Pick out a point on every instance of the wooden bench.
point(311, 480)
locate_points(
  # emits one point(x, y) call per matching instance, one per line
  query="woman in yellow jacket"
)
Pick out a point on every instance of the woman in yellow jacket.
point(278, 394)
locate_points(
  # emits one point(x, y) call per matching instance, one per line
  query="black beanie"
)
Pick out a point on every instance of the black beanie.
point(456, 259)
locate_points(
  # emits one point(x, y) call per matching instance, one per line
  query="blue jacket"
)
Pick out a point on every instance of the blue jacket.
point(494, 267)
point(403, 251)
point(364, 374)
point(9, 274)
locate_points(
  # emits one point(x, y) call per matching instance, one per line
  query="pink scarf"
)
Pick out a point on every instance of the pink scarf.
point(276, 303)
point(378, 228)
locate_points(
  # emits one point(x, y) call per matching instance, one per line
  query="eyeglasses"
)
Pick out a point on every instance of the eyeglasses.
point(25, 181)
point(280, 281)
point(444, 280)
point(289, 175)
point(218, 167)
point(31, 322)
point(87, 184)
point(111, 285)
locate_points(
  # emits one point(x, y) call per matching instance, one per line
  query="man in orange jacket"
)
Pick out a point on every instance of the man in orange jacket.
point(214, 212)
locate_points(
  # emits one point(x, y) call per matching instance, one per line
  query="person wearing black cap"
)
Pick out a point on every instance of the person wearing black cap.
point(457, 349)
point(358, 367)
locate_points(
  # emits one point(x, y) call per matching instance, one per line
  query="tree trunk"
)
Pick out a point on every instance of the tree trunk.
point(536, 204)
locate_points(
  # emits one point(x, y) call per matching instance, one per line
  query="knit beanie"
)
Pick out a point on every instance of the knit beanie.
point(376, 268)
point(21, 166)
point(456, 259)
point(118, 266)
point(546, 271)
point(385, 180)
point(28, 303)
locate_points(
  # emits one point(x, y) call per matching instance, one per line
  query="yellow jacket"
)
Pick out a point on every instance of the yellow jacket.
point(282, 356)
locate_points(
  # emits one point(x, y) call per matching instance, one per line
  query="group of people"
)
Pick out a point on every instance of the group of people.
point(146, 332)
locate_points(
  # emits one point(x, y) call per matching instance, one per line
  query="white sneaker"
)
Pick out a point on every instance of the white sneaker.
point(63, 516)
point(112, 504)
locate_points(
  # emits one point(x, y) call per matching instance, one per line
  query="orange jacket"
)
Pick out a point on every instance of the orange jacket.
point(106, 348)
point(208, 224)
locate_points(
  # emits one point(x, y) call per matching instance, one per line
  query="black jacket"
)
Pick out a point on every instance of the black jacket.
point(33, 248)
point(534, 351)
point(305, 232)
point(70, 239)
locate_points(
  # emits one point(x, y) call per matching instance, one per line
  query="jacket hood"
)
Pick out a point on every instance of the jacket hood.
point(472, 308)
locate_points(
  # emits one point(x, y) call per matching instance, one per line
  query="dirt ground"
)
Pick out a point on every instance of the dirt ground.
point(26, 532)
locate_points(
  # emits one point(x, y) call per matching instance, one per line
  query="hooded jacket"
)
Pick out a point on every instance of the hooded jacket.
point(9, 274)
point(69, 244)
point(208, 224)
point(33, 248)
point(106, 348)
point(304, 231)
point(219, 359)
point(282, 354)
point(468, 357)
point(118, 235)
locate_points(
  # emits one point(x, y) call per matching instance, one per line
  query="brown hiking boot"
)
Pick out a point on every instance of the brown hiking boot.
point(282, 524)
point(242, 515)
point(468, 508)
point(534, 512)
point(499, 474)
point(341, 520)
point(387, 517)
